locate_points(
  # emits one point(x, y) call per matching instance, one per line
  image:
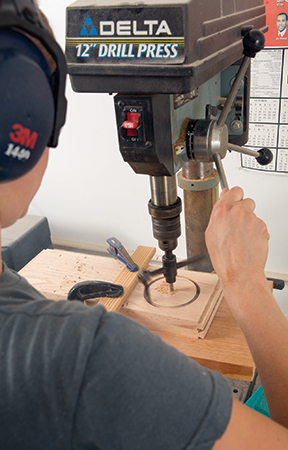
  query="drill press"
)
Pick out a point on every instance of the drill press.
point(172, 66)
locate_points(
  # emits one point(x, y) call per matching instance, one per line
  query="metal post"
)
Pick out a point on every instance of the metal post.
point(198, 205)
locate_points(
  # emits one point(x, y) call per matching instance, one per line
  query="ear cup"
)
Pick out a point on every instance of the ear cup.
point(26, 105)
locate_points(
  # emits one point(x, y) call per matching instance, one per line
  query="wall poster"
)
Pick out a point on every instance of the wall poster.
point(269, 93)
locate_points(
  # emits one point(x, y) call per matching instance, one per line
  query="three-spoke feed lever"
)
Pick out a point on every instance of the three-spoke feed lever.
point(207, 140)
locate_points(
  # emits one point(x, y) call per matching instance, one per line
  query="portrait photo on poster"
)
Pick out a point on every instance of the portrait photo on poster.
point(277, 21)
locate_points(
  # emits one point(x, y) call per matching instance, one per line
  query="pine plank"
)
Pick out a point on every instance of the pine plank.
point(55, 272)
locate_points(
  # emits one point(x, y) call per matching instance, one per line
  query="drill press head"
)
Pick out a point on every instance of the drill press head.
point(154, 46)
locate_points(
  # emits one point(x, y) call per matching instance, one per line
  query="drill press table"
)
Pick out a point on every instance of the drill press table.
point(224, 349)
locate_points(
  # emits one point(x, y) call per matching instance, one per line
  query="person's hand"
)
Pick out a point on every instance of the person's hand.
point(236, 239)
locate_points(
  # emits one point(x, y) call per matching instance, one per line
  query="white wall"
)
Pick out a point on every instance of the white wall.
point(89, 194)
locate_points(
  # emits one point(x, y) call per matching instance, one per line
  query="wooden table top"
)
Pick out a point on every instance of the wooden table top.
point(224, 349)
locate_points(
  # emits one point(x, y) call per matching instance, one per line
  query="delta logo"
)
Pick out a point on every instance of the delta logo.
point(126, 28)
point(88, 28)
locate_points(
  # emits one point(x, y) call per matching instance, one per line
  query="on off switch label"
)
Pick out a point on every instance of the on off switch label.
point(124, 35)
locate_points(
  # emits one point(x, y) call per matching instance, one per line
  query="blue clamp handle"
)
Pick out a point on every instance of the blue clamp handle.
point(118, 251)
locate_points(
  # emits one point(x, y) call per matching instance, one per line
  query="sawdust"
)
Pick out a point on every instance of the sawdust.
point(164, 288)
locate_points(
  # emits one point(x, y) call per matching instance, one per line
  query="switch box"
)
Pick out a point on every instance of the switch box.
point(144, 131)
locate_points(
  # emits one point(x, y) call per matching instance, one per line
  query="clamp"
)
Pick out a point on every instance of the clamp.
point(118, 251)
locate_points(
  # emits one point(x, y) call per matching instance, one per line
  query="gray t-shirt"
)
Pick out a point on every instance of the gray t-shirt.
point(75, 377)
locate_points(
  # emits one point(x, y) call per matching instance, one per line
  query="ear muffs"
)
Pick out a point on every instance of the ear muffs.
point(26, 104)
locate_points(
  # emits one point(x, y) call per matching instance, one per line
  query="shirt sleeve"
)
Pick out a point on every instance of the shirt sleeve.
point(140, 393)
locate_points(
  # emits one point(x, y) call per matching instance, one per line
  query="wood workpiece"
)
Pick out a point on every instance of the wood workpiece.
point(178, 317)
point(54, 272)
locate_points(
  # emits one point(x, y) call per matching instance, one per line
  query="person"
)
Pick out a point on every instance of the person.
point(281, 24)
point(79, 377)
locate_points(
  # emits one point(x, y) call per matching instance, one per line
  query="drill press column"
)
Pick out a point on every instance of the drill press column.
point(165, 209)
point(200, 185)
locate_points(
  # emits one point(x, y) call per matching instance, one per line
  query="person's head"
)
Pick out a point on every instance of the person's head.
point(32, 103)
point(281, 21)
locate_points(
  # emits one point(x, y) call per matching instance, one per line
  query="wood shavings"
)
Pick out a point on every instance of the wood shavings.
point(164, 288)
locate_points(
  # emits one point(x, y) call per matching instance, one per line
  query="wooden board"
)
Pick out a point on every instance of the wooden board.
point(171, 311)
point(224, 349)
point(55, 272)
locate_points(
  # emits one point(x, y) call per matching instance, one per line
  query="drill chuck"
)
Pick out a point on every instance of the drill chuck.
point(165, 209)
point(166, 224)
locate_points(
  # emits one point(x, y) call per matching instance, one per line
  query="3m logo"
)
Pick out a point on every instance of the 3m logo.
point(23, 136)
point(88, 28)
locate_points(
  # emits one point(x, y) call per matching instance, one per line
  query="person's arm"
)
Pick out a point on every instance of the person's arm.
point(250, 430)
point(238, 245)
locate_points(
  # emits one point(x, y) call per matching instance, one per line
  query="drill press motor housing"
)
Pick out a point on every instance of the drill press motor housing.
point(171, 65)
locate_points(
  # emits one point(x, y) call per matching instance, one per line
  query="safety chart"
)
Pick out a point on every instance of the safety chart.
point(269, 109)
point(269, 93)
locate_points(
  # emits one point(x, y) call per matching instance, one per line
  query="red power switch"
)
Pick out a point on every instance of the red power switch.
point(132, 123)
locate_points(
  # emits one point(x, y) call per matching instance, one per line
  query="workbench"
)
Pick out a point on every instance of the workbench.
point(224, 349)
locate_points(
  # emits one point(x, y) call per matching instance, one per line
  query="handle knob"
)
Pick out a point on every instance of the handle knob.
point(265, 156)
point(253, 42)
